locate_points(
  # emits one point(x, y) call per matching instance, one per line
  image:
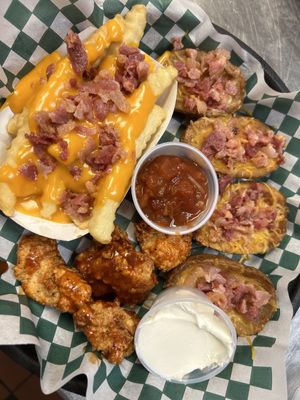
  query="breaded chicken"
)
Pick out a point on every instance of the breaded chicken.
point(166, 251)
point(119, 266)
point(46, 279)
point(109, 328)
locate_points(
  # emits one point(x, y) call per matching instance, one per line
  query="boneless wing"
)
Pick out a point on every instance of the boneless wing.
point(166, 251)
point(46, 279)
point(117, 265)
point(109, 328)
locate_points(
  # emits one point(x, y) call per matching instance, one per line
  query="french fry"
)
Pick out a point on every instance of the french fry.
point(115, 184)
point(7, 199)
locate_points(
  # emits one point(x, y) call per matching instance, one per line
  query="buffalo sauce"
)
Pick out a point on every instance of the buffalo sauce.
point(172, 191)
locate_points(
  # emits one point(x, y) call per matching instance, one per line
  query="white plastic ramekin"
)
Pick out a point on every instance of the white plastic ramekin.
point(191, 153)
point(172, 296)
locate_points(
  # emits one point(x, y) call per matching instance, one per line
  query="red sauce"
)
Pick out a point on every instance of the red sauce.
point(172, 191)
point(3, 267)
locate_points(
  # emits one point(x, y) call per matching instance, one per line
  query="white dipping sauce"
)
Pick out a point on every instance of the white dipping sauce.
point(182, 337)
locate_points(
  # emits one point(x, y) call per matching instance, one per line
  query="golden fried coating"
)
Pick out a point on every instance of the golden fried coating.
point(118, 266)
point(46, 279)
point(245, 293)
point(166, 251)
point(109, 328)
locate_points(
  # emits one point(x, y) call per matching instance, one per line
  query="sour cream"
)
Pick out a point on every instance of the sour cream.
point(180, 338)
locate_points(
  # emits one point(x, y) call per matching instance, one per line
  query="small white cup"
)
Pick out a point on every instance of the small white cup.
point(175, 295)
point(191, 153)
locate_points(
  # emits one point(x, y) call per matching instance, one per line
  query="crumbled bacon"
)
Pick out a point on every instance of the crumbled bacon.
point(46, 162)
point(76, 172)
point(85, 131)
point(228, 293)
point(257, 146)
point(241, 214)
point(29, 171)
point(49, 70)
point(177, 43)
point(224, 181)
point(63, 144)
point(132, 69)
point(210, 77)
point(77, 205)
point(103, 157)
point(76, 53)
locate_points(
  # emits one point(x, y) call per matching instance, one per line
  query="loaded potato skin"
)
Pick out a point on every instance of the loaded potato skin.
point(250, 218)
point(239, 146)
point(246, 294)
point(208, 83)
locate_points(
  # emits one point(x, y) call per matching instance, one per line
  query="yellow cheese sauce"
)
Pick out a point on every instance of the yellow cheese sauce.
point(28, 86)
point(41, 197)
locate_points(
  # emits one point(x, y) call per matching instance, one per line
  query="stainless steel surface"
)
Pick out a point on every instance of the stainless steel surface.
point(269, 27)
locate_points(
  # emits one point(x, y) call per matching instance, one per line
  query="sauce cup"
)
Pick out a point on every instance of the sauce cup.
point(188, 152)
point(152, 347)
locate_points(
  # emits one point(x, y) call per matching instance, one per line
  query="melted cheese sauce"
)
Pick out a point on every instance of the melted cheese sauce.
point(42, 196)
point(182, 337)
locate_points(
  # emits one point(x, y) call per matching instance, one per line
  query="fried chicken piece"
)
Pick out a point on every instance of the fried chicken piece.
point(130, 274)
point(166, 251)
point(109, 328)
point(46, 279)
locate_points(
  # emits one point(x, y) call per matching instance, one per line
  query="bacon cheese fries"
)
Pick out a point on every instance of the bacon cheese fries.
point(80, 123)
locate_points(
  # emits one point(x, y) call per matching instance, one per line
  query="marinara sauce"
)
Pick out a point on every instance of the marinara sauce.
point(172, 191)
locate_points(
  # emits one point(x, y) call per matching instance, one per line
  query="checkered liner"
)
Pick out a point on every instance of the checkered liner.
point(34, 28)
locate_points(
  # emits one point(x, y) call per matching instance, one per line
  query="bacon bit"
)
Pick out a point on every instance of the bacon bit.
point(227, 293)
point(132, 69)
point(214, 143)
point(101, 109)
point(85, 131)
point(76, 52)
point(65, 128)
point(260, 160)
point(102, 158)
point(29, 171)
point(49, 70)
point(224, 181)
point(84, 109)
point(76, 172)
point(77, 205)
point(177, 43)
point(73, 83)
point(63, 144)
point(46, 162)
point(241, 214)
point(88, 148)
point(44, 139)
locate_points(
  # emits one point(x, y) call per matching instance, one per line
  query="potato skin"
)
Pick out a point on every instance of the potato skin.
point(230, 73)
point(259, 241)
point(191, 274)
point(197, 132)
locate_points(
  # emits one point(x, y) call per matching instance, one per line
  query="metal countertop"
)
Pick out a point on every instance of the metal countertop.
point(269, 27)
